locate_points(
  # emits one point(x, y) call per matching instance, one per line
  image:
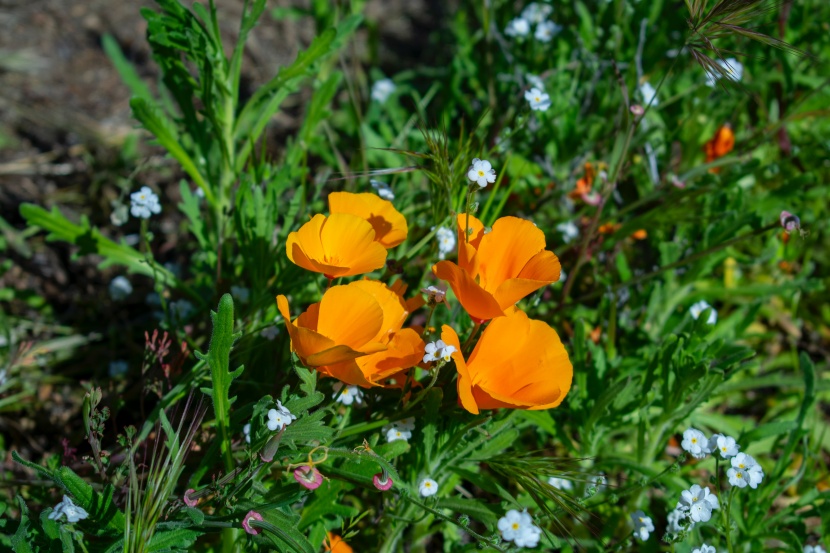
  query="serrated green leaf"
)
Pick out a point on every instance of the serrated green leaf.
point(179, 539)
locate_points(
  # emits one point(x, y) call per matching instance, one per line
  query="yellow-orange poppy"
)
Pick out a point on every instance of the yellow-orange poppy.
point(721, 144)
point(355, 333)
point(497, 269)
point(341, 244)
point(335, 544)
point(518, 363)
point(389, 224)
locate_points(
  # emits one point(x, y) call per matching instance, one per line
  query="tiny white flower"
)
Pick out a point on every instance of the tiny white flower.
point(705, 549)
point(529, 537)
point(569, 231)
point(699, 503)
point(407, 424)
point(393, 434)
point(435, 351)
point(144, 203)
point(349, 395)
point(241, 293)
point(118, 368)
point(734, 71)
point(270, 332)
point(643, 525)
point(814, 549)
point(546, 30)
point(246, 430)
point(725, 444)
point(518, 527)
point(696, 309)
point(120, 288)
point(383, 189)
point(382, 89)
point(446, 241)
point(67, 508)
point(674, 519)
point(695, 442)
point(279, 418)
point(538, 99)
point(481, 172)
point(648, 93)
point(745, 471)
point(519, 27)
point(536, 12)
point(756, 476)
point(436, 295)
point(428, 487)
point(560, 483)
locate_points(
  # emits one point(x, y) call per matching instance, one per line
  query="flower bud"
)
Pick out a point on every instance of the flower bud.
point(789, 221)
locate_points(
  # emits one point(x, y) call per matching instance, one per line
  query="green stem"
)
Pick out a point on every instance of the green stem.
point(470, 338)
point(727, 524)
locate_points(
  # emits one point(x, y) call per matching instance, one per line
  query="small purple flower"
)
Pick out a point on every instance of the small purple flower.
point(190, 502)
point(789, 221)
point(246, 522)
point(308, 477)
point(382, 481)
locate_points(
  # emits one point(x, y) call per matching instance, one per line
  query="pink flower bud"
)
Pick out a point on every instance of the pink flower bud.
point(789, 221)
point(382, 481)
point(246, 522)
point(637, 110)
point(308, 477)
point(188, 500)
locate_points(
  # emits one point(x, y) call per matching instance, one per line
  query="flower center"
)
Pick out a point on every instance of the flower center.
point(694, 499)
point(480, 173)
point(515, 526)
point(537, 99)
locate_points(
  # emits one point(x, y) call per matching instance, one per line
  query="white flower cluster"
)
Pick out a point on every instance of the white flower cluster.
point(518, 527)
point(643, 525)
point(705, 549)
point(745, 471)
point(144, 203)
point(399, 430)
point(349, 395)
point(279, 418)
point(560, 483)
point(427, 487)
point(446, 241)
point(814, 549)
point(733, 68)
point(382, 89)
point(698, 503)
point(696, 443)
point(438, 350)
point(67, 508)
point(534, 15)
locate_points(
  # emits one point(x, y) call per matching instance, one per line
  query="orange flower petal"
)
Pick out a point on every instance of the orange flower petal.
point(467, 248)
point(541, 270)
point(506, 250)
point(405, 350)
point(464, 383)
point(479, 303)
point(389, 224)
point(521, 363)
point(350, 316)
point(392, 306)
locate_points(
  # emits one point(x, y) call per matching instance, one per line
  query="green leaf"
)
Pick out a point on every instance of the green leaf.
point(475, 509)
point(766, 431)
point(179, 539)
point(284, 531)
point(125, 69)
point(218, 360)
point(99, 505)
point(20, 540)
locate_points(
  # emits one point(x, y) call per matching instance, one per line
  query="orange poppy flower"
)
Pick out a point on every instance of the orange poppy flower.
point(335, 544)
point(497, 269)
point(389, 224)
point(341, 244)
point(354, 333)
point(720, 145)
point(584, 185)
point(518, 363)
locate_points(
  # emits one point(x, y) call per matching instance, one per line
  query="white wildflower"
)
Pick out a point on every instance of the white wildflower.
point(673, 519)
point(698, 502)
point(705, 549)
point(725, 444)
point(394, 434)
point(536, 12)
point(546, 30)
point(382, 89)
point(745, 471)
point(643, 525)
point(560, 483)
point(695, 442)
point(144, 203)
point(120, 288)
point(696, 309)
point(279, 418)
point(648, 93)
point(428, 487)
point(383, 189)
point(538, 99)
point(733, 68)
point(518, 527)
point(568, 230)
point(435, 351)
point(517, 28)
point(67, 508)
point(348, 395)
point(446, 241)
point(814, 549)
point(481, 172)
point(246, 431)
